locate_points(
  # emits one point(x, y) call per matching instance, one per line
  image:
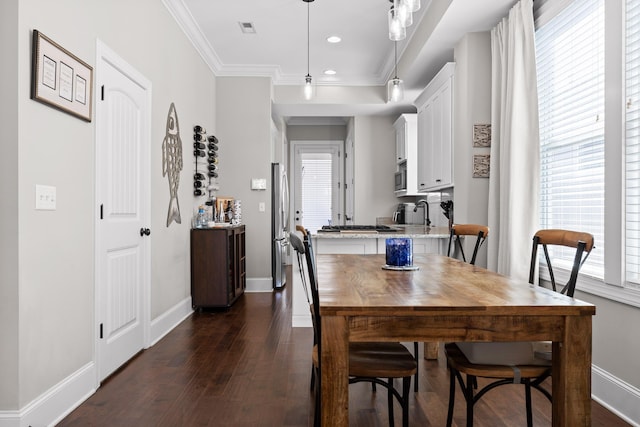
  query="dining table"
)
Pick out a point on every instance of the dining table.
point(442, 299)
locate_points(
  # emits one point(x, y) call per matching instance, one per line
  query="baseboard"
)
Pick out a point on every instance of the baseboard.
point(163, 324)
point(259, 284)
point(616, 395)
point(46, 409)
point(301, 321)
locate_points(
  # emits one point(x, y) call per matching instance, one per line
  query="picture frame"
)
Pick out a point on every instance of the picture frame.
point(60, 79)
point(481, 165)
point(482, 135)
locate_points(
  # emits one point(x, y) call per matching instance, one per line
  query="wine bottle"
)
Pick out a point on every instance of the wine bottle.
point(199, 129)
point(199, 137)
point(199, 153)
point(213, 174)
point(198, 145)
point(213, 154)
point(213, 147)
point(213, 167)
point(198, 176)
point(197, 184)
point(213, 139)
point(198, 192)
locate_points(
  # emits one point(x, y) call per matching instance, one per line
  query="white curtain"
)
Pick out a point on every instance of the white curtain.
point(515, 158)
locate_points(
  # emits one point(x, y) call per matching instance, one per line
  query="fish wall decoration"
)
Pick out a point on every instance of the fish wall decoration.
point(172, 163)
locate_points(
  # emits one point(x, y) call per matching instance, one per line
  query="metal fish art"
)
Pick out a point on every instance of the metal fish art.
point(172, 163)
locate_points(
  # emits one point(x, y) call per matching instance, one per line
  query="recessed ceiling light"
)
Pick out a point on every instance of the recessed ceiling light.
point(330, 72)
point(334, 39)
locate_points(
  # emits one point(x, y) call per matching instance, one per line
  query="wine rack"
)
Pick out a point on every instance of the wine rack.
point(205, 151)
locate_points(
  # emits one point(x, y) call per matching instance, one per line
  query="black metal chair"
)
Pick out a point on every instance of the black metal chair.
point(457, 230)
point(368, 362)
point(520, 362)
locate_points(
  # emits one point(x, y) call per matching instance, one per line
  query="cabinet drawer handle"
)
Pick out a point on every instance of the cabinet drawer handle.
point(438, 180)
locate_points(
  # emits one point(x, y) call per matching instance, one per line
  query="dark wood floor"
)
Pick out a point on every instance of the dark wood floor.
point(249, 367)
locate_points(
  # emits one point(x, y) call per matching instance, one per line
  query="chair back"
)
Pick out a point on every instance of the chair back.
point(582, 242)
point(457, 230)
point(304, 248)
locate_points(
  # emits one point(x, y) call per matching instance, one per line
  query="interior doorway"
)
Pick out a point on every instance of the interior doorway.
point(318, 183)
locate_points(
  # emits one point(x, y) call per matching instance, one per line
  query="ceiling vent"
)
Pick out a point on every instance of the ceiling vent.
point(247, 27)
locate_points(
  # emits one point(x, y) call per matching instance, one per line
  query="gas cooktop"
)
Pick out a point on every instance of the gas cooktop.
point(338, 228)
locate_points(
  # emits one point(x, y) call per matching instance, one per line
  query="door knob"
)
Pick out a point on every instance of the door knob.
point(144, 232)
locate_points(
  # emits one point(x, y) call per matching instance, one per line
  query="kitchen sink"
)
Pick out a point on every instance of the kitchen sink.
point(357, 228)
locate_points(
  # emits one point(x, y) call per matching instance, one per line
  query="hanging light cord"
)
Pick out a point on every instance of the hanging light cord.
point(308, 21)
point(395, 49)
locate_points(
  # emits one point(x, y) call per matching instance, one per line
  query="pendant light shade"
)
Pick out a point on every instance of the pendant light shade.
point(308, 91)
point(396, 30)
point(413, 5)
point(395, 86)
point(403, 12)
point(395, 90)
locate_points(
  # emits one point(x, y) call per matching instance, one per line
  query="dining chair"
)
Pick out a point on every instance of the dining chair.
point(368, 362)
point(527, 363)
point(457, 230)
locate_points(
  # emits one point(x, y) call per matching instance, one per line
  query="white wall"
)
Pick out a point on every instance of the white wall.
point(55, 274)
point(472, 105)
point(244, 130)
point(374, 157)
point(9, 206)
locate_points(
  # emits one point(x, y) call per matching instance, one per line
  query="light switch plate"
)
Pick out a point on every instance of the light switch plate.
point(258, 184)
point(45, 198)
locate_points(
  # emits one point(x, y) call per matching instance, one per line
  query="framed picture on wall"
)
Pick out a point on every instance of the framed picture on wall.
point(59, 78)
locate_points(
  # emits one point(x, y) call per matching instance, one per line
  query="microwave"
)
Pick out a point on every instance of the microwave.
point(401, 180)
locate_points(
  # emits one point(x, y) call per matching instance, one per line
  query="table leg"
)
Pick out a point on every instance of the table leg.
point(431, 350)
point(334, 369)
point(572, 374)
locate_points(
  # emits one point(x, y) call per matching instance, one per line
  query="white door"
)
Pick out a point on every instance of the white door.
point(318, 187)
point(122, 237)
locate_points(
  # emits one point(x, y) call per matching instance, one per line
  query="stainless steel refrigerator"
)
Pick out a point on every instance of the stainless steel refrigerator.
point(279, 224)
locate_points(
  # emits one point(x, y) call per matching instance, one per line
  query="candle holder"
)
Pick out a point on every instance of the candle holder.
point(399, 254)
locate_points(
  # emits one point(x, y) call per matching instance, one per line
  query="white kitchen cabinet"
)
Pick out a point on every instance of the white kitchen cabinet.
point(435, 132)
point(407, 152)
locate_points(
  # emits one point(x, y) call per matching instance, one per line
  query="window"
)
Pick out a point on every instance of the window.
point(589, 68)
point(570, 67)
point(632, 139)
point(316, 190)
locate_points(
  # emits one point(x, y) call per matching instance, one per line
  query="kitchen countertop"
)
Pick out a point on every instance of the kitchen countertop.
point(412, 231)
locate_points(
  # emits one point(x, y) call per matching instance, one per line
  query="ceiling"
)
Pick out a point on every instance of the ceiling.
point(364, 59)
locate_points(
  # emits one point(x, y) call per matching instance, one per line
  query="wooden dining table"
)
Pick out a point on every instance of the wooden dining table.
point(447, 300)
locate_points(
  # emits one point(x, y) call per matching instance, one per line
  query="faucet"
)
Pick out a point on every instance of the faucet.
point(427, 221)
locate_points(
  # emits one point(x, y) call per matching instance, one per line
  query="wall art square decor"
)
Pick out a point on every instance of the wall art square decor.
point(481, 135)
point(59, 78)
point(481, 165)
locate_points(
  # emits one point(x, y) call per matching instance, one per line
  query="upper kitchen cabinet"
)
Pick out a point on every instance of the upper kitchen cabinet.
point(406, 177)
point(435, 132)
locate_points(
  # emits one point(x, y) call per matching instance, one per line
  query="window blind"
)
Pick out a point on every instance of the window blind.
point(632, 137)
point(570, 67)
point(316, 190)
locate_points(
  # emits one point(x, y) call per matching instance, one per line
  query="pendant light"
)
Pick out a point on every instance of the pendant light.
point(395, 86)
point(308, 83)
point(413, 5)
point(397, 31)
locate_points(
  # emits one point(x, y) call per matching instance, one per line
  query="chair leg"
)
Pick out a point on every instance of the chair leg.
point(468, 396)
point(415, 354)
point(313, 377)
point(527, 392)
point(390, 401)
point(316, 410)
point(452, 395)
point(406, 386)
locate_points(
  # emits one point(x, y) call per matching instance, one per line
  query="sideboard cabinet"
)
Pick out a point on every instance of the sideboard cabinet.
point(218, 266)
